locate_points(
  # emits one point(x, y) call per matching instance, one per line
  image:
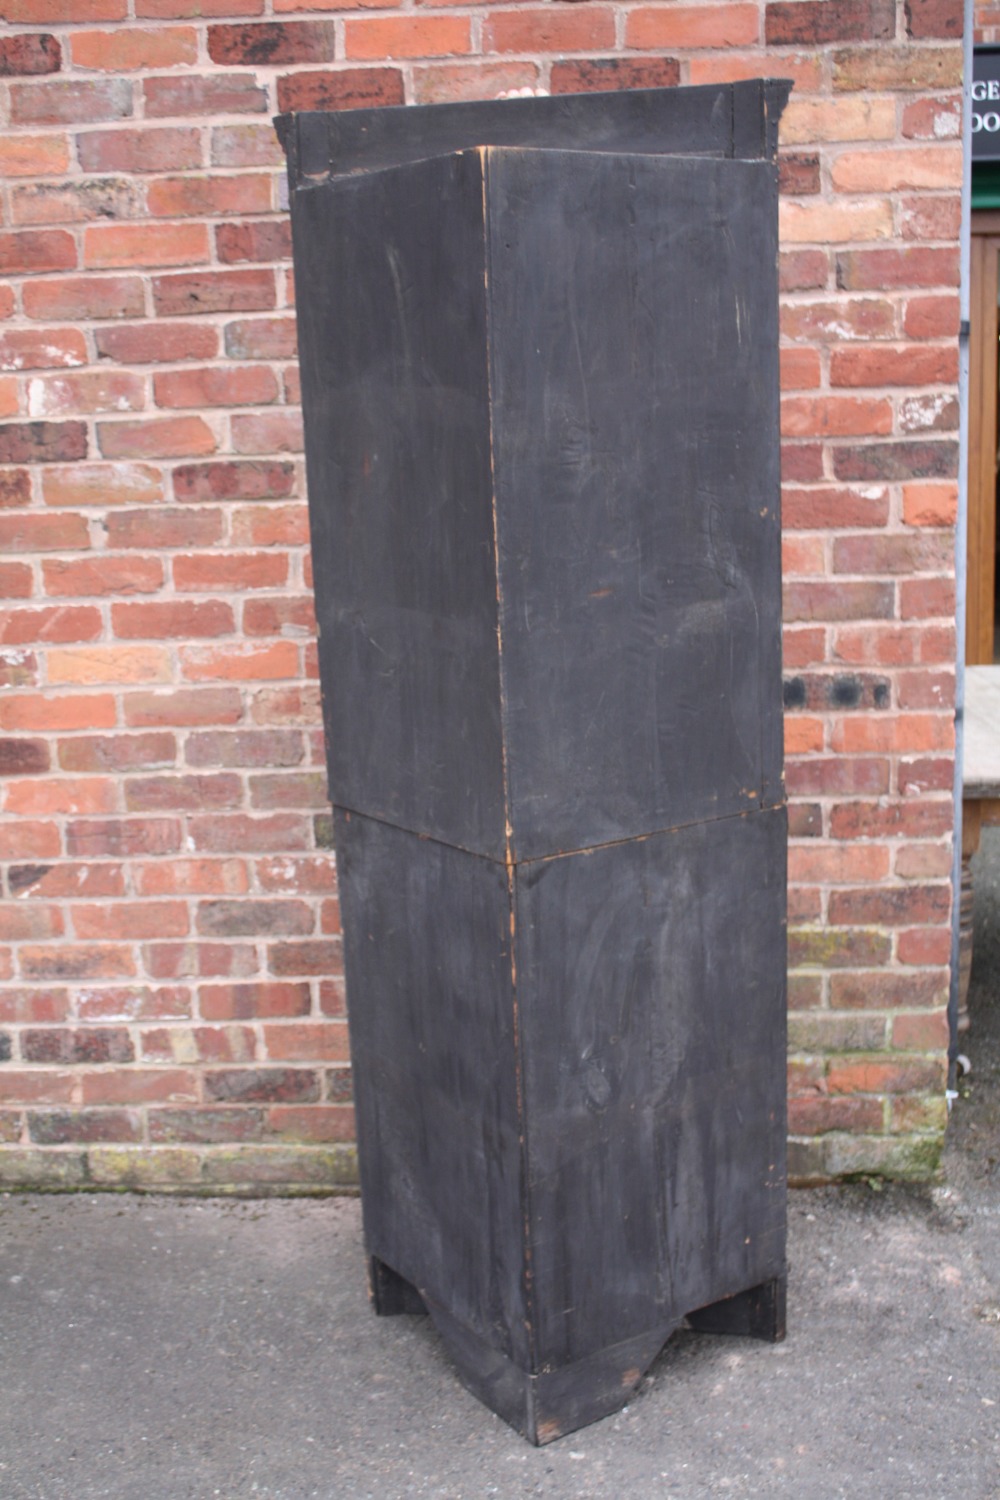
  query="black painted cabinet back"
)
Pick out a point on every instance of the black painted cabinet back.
point(540, 389)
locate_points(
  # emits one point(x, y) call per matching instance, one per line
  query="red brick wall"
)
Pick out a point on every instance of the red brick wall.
point(171, 1007)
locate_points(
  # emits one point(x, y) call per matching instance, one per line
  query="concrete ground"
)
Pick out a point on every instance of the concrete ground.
point(170, 1349)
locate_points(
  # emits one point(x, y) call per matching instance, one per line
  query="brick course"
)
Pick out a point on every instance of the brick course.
point(171, 993)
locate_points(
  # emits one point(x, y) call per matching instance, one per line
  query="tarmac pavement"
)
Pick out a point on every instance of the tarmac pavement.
point(185, 1349)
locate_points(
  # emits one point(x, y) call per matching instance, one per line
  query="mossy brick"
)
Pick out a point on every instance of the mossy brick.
point(324, 1166)
point(855, 1032)
point(142, 1167)
point(24, 1169)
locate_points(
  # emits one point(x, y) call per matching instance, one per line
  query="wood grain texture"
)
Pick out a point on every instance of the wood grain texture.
point(540, 390)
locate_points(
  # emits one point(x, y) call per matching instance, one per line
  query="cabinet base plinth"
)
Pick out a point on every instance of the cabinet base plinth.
point(758, 1313)
point(551, 1403)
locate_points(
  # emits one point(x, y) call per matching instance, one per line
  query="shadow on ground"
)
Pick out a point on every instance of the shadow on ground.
point(158, 1349)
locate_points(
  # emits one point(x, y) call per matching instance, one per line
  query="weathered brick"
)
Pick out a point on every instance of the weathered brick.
point(70, 102)
point(182, 793)
point(31, 156)
point(260, 239)
point(815, 22)
point(78, 962)
point(199, 960)
point(931, 317)
point(311, 1122)
point(240, 480)
point(102, 485)
point(930, 504)
point(156, 343)
point(85, 297)
point(347, 88)
point(245, 146)
point(798, 173)
point(893, 461)
point(251, 918)
point(808, 120)
point(15, 489)
point(42, 442)
point(267, 432)
point(933, 119)
point(18, 669)
point(230, 571)
point(191, 196)
point(912, 819)
point(216, 385)
point(245, 747)
point(65, 879)
point(139, 1086)
point(221, 1124)
point(878, 1075)
point(183, 707)
point(29, 53)
point(930, 216)
point(88, 1045)
point(814, 1116)
point(604, 73)
point(261, 338)
point(834, 223)
point(687, 26)
point(929, 19)
point(128, 49)
point(387, 38)
point(841, 775)
point(310, 875)
point(86, 391)
point(319, 956)
point(891, 268)
point(178, 619)
point(844, 948)
point(241, 662)
point(262, 1085)
point(204, 94)
point(165, 437)
point(290, 616)
point(272, 43)
point(161, 530)
point(20, 923)
point(829, 508)
point(192, 877)
point(887, 991)
point(306, 1041)
point(58, 622)
point(50, 711)
point(63, 1127)
point(123, 838)
point(23, 757)
point(131, 920)
point(881, 171)
point(853, 318)
point(102, 575)
point(214, 291)
point(239, 833)
point(884, 365)
point(897, 67)
point(77, 201)
point(63, 795)
point(29, 840)
point(107, 247)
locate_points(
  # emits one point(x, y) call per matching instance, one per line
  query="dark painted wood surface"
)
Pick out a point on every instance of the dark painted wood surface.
point(634, 382)
point(650, 984)
point(540, 393)
point(728, 119)
point(393, 355)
